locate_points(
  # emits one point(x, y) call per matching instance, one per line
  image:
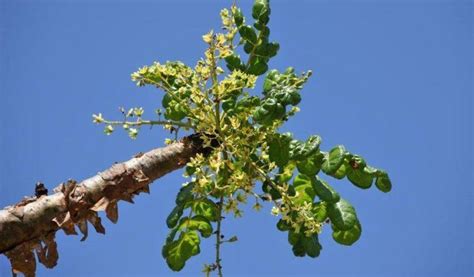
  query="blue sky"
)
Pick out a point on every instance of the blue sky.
point(392, 81)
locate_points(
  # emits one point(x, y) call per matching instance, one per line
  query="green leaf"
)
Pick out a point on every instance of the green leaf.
point(248, 34)
point(299, 248)
point(303, 245)
point(261, 11)
point(311, 165)
point(304, 189)
point(234, 62)
point(284, 87)
point(340, 173)
point(169, 239)
point(272, 49)
point(268, 188)
point(357, 162)
point(293, 237)
point(238, 17)
point(359, 177)
point(190, 170)
point(334, 160)
point(320, 212)
point(282, 225)
point(174, 216)
point(185, 194)
point(347, 237)
point(279, 149)
point(258, 68)
point(342, 214)
point(312, 246)
point(267, 49)
point(268, 111)
point(325, 191)
point(166, 100)
point(198, 223)
point(175, 111)
point(248, 47)
point(286, 173)
point(299, 150)
point(179, 251)
point(206, 208)
point(269, 80)
point(383, 182)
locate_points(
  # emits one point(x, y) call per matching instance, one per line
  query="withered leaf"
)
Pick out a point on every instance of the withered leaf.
point(65, 222)
point(127, 197)
point(101, 204)
point(69, 228)
point(48, 254)
point(95, 220)
point(112, 211)
point(22, 259)
point(83, 228)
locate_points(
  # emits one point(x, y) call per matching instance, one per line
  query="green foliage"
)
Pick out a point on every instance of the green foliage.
point(303, 245)
point(324, 191)
point(177, 252)
point(342, 214)
point(242, 129)
point(347, 237)
point(198, 223)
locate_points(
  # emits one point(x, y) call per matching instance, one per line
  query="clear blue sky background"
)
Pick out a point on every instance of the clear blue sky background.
point(393, 82)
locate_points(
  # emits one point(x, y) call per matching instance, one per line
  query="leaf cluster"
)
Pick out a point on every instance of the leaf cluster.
point(220, 104)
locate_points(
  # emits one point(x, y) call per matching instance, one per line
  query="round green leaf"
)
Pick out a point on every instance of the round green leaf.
point(325, 191)
point(279, 149)
point(206, 208)
point(282, 225)
point(261, 11)
point(198, 223)
point(286, 173)
point(238, 17)
point(258, 68)
point(311, 165)
point(359, 177)
point(248, 34)
point(342, 214)
point(334, 160)
point(340, 172)
point(185, 194)
point(304, 189)
point(320, 212)
point(174, 216)
point(347, 237)
point(179, 251)
point(312, 246)
point(383, 182)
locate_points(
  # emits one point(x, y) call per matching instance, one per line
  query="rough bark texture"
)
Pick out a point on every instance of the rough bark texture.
point(30, 225)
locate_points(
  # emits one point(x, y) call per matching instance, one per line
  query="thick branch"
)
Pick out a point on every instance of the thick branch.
point(73, 204)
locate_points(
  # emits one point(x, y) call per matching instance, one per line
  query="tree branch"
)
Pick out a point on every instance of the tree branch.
point(33, 221)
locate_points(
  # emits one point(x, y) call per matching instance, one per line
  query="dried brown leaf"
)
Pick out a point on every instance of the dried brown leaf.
point(112, 211)
point(127, 197)
point(95, 220)
point(48, 254)
point(83, 228)
point(101, 204)
point(22, 259)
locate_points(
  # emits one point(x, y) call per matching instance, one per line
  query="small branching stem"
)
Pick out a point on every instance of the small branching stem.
point(218, 238)
point(149, 122)
point(224, 153)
